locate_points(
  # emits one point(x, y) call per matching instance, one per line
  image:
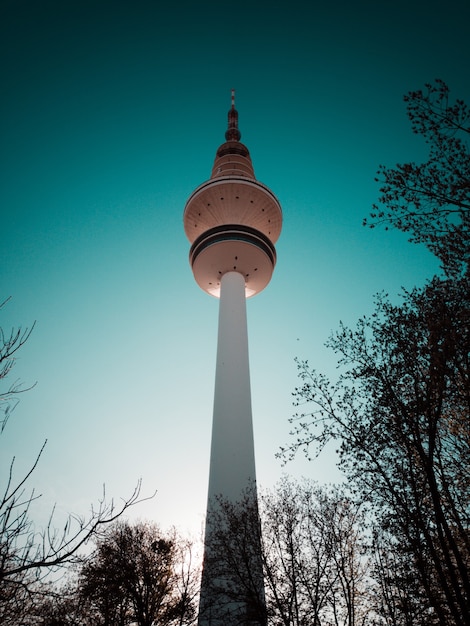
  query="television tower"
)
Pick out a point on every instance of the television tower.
point(232, 221)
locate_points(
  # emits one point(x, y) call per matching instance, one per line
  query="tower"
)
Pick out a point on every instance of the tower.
point(232, 222)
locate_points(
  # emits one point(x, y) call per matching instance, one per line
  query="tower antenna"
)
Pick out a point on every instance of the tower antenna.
point(232, 130)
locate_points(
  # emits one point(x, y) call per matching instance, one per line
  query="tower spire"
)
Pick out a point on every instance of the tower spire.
point(232, 133)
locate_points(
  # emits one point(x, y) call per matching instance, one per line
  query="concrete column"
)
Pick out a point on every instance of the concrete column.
point(232, 464)
point(232, 473)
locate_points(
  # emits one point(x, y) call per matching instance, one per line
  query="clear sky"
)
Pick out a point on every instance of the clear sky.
point(111, 114)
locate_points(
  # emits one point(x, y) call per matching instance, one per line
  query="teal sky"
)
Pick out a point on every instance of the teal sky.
point(111, 114)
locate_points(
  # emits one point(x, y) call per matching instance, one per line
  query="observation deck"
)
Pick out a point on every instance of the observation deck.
point(232, 220)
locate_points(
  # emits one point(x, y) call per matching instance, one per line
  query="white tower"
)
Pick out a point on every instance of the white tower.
point(232, 222)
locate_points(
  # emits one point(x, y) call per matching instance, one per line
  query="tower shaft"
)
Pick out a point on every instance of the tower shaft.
point(232, 463)
point(232, 595)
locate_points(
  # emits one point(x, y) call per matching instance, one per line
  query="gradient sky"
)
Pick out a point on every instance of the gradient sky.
point(111, 114)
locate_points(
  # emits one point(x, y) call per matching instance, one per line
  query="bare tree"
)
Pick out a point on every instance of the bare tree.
point(27, 555)
point(314, 548)
point(400, 409)
point(312, 556)
point(138, 574)
point(57, 604)
point(431, 201)
point(400, 413)
point(10, 343)
point(396, 592)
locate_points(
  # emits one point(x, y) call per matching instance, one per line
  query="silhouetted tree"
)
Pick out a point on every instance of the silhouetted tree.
point(401, 412)
point(431, 201)
point(397, 592)
point(312, 553)
point(314, 556)
point(137, 574)
point(401, 406)
point(26, 554)
point(57, 604)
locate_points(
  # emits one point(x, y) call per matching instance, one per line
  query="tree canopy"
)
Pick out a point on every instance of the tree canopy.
point(399, 410)
point(431, 200)
point(138, 574)
point(312, 553)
